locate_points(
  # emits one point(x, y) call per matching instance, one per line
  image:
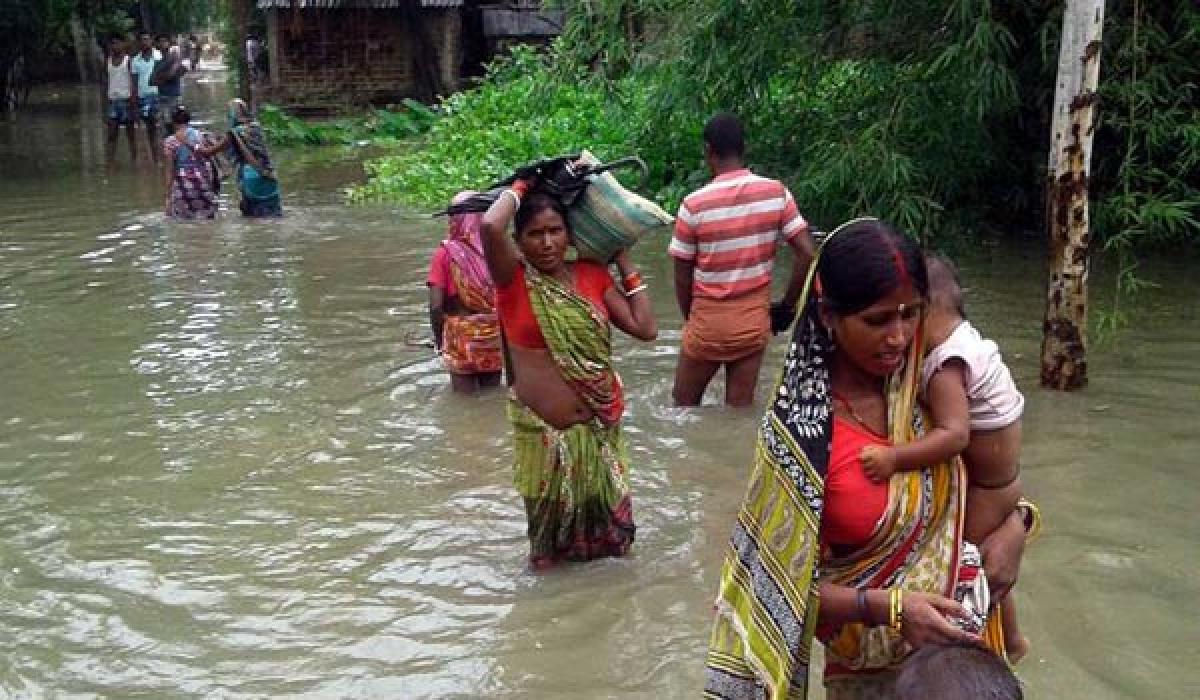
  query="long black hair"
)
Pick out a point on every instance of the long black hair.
point(865, 262)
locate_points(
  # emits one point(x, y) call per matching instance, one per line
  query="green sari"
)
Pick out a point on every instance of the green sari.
point(575, 482)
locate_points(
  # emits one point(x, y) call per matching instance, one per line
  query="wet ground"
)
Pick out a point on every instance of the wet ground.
point(230, 467)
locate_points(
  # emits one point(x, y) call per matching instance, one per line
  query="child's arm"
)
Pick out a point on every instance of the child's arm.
point(947, 399)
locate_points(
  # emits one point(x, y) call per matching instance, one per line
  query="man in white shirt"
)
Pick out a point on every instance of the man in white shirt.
point(121, 105)
point(253, 49)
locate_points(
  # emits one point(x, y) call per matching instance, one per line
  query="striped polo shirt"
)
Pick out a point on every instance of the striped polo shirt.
point(730, 229)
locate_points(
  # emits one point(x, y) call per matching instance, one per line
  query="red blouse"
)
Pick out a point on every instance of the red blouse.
point(516, 315)
point(439, 272)
point(854, 504)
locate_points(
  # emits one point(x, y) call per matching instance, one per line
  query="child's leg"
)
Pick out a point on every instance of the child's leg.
point(993, 476)
point(1014, 642)
point(993, 456)
point(987, 509)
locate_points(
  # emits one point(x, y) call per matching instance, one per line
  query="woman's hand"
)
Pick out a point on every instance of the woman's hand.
point(1001, 553)
point(927, 621)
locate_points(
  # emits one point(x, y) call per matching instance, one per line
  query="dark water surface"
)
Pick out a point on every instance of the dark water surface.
point(229, 469)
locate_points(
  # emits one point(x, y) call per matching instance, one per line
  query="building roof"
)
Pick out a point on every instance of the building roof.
point(336, 4)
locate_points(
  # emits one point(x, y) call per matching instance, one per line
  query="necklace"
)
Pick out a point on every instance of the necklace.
point(849, 407)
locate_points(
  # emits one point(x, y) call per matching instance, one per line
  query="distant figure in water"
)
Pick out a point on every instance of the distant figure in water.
point(257, 184)
point(193, 52)
point(146, 94)
point(253, 49)
point(958, 672)
point(190, 182)
point(976, 411)
point(122, 107)
point(572, 467)
point(726, 235)
point(462, 306)
point(168, 74)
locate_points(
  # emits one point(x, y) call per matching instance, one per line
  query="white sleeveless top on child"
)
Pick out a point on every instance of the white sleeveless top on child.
point(120, 86)
point(992, 396)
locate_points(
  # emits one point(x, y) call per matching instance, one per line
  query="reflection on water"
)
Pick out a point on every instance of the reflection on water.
point(228, 470)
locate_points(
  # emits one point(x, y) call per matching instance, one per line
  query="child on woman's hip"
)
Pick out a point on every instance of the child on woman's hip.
point(976, 412)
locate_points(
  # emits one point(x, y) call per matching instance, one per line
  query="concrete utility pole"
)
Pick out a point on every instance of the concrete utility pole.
point(1064, 331)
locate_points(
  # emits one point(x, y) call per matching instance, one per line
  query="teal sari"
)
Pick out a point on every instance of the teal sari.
point(256, 180)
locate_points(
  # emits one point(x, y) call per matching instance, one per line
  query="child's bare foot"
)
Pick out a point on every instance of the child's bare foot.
point(1016, 649)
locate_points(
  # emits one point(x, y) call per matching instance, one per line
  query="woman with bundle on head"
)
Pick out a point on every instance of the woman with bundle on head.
point(257, 185)
point(894, 572)
point(462, 305)
point(571, 465)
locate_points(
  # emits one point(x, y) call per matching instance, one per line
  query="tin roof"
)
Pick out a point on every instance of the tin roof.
point(335, 4)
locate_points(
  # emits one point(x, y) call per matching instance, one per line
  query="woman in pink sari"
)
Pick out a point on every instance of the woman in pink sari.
point(462, 306)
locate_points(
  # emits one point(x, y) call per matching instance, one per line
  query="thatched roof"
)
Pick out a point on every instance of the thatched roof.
point(337, 4)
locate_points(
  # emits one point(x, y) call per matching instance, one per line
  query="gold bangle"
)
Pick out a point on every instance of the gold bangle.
point(1031, 518)
point(894, 609)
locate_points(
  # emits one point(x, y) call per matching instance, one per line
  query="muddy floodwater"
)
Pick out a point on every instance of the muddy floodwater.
point(231, 468)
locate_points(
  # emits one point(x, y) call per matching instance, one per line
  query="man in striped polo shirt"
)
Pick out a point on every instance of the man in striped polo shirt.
point(726, 235)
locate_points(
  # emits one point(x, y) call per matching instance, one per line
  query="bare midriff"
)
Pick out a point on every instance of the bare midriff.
point(539, 386)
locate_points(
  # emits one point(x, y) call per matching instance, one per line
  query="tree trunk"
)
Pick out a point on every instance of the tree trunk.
point(1064, 331)
point(82, 41)
point(241, 25)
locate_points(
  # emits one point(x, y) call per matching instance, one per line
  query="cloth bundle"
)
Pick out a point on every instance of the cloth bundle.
point(603, 215)
point(606, 218)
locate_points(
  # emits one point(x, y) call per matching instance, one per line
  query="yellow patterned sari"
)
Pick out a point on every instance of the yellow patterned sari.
point(768, 600)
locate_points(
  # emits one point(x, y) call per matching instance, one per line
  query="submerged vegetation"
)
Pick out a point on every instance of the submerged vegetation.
point(379, 125)
point(933, 114)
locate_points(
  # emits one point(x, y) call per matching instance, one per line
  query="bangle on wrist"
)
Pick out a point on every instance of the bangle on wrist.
point(896, 609)
point(1031, 518)
point(864, 610)
point(635, 290)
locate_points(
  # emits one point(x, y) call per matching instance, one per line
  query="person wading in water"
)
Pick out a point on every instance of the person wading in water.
point(571, 463)
point(142, 67)
point(726, 234)
point(121, 104)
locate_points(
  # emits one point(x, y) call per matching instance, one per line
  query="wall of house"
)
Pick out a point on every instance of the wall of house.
point(329, 59)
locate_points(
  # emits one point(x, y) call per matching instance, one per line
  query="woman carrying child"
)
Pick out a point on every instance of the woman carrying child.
point(976, 410)
point(890, 555)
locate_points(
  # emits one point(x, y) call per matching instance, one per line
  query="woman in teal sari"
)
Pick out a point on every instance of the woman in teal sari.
point(255, 176)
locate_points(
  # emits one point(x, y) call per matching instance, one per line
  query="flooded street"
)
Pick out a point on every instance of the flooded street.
point(230, 468)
